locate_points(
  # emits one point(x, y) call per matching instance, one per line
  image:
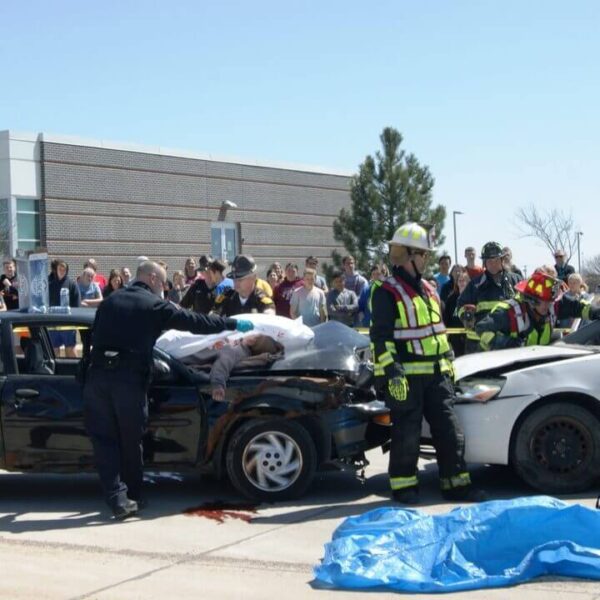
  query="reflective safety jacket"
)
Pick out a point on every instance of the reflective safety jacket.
point(511, 324)
point(407, 327)
point(484, 293)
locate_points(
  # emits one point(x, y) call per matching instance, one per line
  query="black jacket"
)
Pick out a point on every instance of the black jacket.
point(55, 285)
point(132, 320)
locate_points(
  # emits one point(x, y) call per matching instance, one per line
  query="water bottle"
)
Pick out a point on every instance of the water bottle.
point(64, 296)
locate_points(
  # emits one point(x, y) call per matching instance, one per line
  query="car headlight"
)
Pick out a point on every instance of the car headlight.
point(478, 390)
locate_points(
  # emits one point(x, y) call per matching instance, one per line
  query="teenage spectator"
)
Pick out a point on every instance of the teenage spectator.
point(272, 279)
point(434, 284)
point(460, 282)
point(577, 291)
point(114, 283)
point(563, 268)
point(354, 281)
point(342, 304)
point(9, 284)
point(278, 269)
point(264, 287)
point(91, 294)
point(309, 301)
point(312, 262)
point(443, 275)
point(177, 292)
point(57, 280)
point(189, 271)
point(125, 276)
point(508, 262)
point(215, 277)
point(447, 288)
point(378, 272)
point(473, 269)
point(283, 293)
point(98, 277)
point(168, 286)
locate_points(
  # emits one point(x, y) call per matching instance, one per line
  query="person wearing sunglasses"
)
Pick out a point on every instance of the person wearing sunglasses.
point(413, 368)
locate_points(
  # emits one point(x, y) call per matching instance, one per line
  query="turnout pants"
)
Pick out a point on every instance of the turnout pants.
point(430, 396)
point(115, 413)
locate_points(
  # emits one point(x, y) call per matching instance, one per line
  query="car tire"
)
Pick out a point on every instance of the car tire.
point(271, 460)
point(557, 448)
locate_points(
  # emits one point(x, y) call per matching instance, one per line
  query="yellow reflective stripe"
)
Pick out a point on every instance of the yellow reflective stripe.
point(399, 483)
point(378, 371)
point(585, 313)
point(385, 359)
point(428, 367)
point(459, 480)
point(501, 306)
point(486, 305)
point(391, 347)
point(486, 339)
point(471, 335)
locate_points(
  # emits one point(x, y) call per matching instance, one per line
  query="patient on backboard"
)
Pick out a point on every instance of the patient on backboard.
point(252, 350)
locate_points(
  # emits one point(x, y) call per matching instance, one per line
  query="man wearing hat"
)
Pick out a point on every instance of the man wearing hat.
point(245, 297)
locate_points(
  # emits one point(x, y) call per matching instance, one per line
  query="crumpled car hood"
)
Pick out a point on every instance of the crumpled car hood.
point(485, 361)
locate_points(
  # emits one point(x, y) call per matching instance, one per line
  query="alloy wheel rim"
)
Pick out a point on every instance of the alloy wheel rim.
point(272, 461)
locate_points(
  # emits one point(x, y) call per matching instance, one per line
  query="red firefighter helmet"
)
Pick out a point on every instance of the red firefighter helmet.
point(540, 287)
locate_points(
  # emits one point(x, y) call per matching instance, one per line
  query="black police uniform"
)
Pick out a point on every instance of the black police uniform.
point(229, 303)
point(199, 297)
point(125, 329)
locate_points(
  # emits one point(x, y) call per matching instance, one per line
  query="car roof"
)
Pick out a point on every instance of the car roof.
point(78, 315)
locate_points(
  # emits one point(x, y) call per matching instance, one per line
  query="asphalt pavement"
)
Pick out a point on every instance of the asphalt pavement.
point(197, 539)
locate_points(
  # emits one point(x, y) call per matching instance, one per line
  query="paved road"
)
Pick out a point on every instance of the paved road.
point(56, 541)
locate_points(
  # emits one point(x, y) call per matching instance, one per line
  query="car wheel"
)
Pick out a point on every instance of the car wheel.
point(270, 460)
point(557, 448)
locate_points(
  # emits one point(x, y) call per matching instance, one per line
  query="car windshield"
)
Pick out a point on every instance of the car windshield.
point(588, 335)
point(334, 347)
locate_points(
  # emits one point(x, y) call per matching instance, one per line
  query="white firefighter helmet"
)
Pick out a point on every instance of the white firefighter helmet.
point(411, 235)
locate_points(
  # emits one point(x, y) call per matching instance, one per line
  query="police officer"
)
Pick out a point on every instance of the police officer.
point(529, 318)
point(484, 292)
point(125, 329)
point(413, 369)
point(245, 297)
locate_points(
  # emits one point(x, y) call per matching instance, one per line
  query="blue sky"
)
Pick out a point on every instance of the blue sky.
point(499, 99)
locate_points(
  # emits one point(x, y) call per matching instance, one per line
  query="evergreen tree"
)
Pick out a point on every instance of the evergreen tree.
point(389, 190)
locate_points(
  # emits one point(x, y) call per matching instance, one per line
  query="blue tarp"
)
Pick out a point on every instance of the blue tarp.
point(490, 544)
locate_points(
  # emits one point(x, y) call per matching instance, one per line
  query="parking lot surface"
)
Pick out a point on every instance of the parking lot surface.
point(197, 539)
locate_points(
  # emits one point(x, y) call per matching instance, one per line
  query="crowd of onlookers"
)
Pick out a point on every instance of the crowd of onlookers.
point(296, 290)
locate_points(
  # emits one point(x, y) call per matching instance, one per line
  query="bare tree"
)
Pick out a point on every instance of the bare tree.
point(554, 228)
point(591, 272)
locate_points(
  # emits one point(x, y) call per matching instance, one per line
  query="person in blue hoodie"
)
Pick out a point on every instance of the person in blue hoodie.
point(58, 279)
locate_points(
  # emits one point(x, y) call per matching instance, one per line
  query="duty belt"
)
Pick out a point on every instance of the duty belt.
point(114, 359)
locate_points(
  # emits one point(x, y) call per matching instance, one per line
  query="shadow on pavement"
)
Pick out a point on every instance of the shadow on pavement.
point(32, 502)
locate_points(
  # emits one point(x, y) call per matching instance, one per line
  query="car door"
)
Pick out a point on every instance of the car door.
point(42, 404)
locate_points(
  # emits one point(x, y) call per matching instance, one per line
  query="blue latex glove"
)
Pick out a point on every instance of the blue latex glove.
point(243, 325)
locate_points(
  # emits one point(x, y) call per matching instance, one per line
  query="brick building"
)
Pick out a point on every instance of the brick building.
point(81, 198)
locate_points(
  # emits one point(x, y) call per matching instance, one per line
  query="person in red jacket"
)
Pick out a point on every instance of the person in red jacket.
point(283, 293)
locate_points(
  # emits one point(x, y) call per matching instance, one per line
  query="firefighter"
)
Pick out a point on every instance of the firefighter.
point(530, 317)
point(484, 292)
point(414, 372)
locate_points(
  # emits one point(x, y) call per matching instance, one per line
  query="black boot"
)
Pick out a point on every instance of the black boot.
point(122, 511)
point(407, 495)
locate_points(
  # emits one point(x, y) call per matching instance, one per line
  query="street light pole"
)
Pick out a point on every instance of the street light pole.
point(454, 213)
point(579, 234)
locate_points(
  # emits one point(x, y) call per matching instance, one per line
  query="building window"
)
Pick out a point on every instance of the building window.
point(224, 241)
point(28, 223)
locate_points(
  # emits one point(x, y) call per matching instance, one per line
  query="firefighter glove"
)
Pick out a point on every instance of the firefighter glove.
point(398, 388)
